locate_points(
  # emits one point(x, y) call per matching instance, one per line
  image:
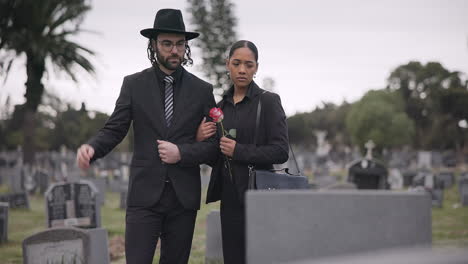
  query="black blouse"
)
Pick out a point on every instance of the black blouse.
point(272, 137)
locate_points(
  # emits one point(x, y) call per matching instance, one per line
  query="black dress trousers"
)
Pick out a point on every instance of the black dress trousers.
point(167, 220)
point(232, 223)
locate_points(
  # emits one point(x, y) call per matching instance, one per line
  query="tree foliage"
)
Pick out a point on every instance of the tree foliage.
point(215, 21)
point(379, 116)
point(41, 31)
point(435, 99)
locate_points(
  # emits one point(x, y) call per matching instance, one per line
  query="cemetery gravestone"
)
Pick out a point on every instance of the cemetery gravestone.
point(431, 184)
point(3, 222)
point(67, 245)
point(214, 249)
point(395, 179)
point(100, 184)
point(424, 160)
point(447, 178)
point(16, 200)
point(463, 189)
point(368, 174)
point(73, 204)
point(123, 199)
point(404, 255)
point(293, 225)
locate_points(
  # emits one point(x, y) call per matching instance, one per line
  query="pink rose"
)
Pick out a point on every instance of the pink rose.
point(216, 114)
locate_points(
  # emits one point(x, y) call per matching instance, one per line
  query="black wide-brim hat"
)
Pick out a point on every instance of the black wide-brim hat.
point(168, 21)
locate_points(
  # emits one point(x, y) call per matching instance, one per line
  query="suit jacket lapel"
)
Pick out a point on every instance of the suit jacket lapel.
point(156, 109)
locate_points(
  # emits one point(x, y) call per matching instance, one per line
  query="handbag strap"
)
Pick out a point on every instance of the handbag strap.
point(257, 124)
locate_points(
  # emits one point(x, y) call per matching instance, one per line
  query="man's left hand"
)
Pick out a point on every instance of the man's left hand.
point(168, 152)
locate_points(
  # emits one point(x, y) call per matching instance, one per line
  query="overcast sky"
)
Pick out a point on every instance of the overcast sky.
point(315, 51)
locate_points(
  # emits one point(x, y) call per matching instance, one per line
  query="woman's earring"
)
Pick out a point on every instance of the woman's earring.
point(228, 75)
point(255, 75)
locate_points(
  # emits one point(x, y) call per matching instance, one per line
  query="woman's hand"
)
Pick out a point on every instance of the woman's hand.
point(205, 130)
point(227, 146)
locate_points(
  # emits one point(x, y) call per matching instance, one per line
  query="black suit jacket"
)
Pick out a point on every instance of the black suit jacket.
point(140, 104)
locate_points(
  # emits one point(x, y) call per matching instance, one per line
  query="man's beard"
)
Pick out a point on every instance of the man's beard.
point(164, 61)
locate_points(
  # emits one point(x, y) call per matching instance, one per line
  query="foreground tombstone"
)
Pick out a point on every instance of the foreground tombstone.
point(214, 249)
point(294, 225)
point(73, 204)
point(404, 255)
point(67, 245)
point(3, 222)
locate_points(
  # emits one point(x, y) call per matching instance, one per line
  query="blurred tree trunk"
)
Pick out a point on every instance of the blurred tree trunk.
point(35, 68)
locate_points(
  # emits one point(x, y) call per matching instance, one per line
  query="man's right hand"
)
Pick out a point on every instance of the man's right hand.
point(84, 155)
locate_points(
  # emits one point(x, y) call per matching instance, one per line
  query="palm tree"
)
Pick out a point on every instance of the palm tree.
point(41, 31)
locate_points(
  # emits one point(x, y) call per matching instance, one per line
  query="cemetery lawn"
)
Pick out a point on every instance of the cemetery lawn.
point(449, 226)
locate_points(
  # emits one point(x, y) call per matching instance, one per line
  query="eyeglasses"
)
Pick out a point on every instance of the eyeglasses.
point(167, 45)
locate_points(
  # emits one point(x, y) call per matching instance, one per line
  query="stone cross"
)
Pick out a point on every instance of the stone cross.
point(369, 146)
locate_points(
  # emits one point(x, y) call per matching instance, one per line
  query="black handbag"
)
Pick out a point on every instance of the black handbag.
point(274, 179)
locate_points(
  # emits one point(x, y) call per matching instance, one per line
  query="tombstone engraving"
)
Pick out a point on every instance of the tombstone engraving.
point(73, 204)
point(3, 222)
point(67, 245)
point(284, 226)
point(214, 249)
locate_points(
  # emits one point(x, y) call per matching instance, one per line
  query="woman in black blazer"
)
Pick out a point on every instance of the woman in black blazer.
point(229, 177)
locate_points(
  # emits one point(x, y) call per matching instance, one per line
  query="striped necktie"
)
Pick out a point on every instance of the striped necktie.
point(169, 99)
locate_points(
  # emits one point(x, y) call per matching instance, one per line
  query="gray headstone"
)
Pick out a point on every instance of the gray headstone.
point(16, 200)
point(406, 255)
point(123, 199)
point(341, 186)
point(3, 222)
point(395, 179)
point(424, 160)
point(447, 178)
point(437, 197)
point(463, 189)
point(67, 245)
point(214, 248)
point(72, 204)
point(325, 181)
point(294, 225)
point(101, 186)
point(408, 177)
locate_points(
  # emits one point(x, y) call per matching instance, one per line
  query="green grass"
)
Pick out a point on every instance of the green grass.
point(450, 223)
point(449, 226)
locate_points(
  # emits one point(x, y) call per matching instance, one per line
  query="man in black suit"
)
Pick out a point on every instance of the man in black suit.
point(165, 104)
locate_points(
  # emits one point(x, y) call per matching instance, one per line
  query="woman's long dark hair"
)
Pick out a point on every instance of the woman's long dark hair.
point(154, 61)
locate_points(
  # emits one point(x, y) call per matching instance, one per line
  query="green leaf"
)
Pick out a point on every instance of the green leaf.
point(232, 132)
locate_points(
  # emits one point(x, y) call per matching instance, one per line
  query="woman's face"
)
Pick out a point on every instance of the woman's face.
point(242, 67)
